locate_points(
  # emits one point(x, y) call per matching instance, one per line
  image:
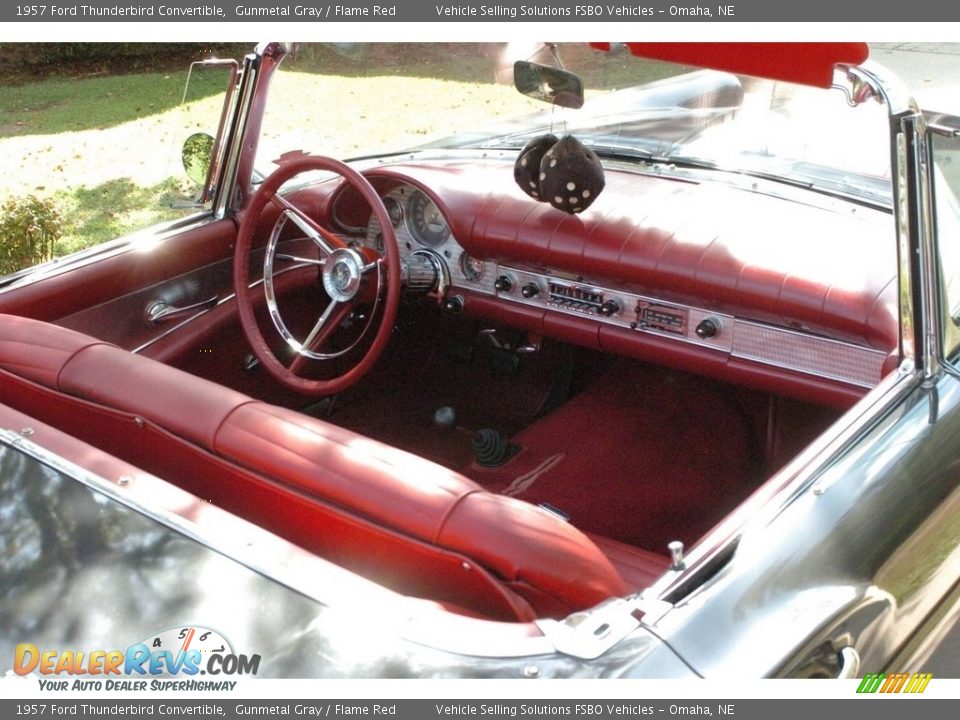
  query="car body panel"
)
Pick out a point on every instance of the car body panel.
point(848, 548)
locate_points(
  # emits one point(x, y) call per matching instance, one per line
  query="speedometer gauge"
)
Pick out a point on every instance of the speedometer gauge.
point(427, 224)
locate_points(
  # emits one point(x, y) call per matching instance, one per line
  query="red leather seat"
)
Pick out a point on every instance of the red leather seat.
point(540, 564)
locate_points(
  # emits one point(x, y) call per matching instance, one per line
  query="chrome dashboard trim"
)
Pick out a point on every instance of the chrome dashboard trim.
point(628, 317)
point(809, 354)
point(762, 343)
point(447, 255)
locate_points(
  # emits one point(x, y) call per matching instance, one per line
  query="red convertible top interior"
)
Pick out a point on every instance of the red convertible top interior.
point(403, 520)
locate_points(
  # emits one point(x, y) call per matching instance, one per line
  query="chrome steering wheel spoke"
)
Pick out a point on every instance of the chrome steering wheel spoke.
point(300, 260)
point(343, 274)
point(323, 239)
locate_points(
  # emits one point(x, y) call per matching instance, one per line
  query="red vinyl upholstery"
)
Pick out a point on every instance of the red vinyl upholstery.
point(548, 564)
point(731, 250)
point(638, 567)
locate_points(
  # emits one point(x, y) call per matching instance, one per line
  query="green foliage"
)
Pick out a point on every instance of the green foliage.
point(70, 58)
point(197, 153)
point(29, 227)
point(93, 215)
point(56, 104)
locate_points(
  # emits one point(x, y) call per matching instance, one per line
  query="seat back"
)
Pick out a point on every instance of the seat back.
point(408, 522)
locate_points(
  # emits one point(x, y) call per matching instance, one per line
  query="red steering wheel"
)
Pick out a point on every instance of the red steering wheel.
point(350, 276)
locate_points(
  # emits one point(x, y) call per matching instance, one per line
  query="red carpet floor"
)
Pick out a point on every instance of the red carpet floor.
point(644, 456)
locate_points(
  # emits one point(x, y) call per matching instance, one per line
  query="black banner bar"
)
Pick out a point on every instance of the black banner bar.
point(472, 11)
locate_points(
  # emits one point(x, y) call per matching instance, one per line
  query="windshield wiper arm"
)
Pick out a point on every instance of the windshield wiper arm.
point(636, 153)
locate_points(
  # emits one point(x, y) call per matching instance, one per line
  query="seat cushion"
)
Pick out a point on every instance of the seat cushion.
point(535, 555)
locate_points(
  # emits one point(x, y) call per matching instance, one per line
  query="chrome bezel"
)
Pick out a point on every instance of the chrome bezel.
point(348, 256)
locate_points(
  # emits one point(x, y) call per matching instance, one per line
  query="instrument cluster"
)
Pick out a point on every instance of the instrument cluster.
point(423, 231)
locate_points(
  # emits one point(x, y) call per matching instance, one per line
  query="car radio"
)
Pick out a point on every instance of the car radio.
point(615, 307)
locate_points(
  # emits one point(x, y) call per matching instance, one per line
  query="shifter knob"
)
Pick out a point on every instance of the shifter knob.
point(445, 419)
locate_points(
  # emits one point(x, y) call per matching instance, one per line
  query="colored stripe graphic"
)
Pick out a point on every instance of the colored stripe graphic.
point(870, 683)
point(894, 683)
point(918, 683)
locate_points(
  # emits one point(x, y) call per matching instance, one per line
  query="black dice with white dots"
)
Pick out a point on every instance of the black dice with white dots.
point(570, 175)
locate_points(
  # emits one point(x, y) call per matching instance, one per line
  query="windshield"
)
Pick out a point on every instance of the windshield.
point(460, 96)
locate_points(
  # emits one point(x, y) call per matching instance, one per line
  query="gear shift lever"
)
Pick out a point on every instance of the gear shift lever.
point(490, 447)
point(445, 419)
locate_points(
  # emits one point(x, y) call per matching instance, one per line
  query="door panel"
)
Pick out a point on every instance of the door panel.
point(104, 280)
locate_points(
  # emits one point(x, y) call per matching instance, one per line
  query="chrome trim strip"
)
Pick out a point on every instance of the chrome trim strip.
point(134, 242)
point(920, 217)
point(770, 345)
point(808, 354)
point(222, 301)
point(904, 119)
point(239, 114)
point(318, 579)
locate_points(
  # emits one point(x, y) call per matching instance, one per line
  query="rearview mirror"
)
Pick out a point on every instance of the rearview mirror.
point(196, 155)
point(549, 84)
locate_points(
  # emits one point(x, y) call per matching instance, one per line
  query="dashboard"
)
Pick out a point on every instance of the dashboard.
point(509, 274)
point(422, 231)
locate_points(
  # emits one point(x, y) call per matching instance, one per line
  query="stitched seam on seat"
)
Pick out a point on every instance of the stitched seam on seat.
point(216, 433)
point(446, 516)
point(73, 356)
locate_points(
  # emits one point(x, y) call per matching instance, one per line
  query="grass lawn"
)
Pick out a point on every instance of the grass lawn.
point(106, 149)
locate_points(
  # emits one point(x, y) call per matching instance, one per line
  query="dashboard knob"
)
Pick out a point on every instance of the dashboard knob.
point(503, 283)
point(453, 305)
point(610, 307)
point(708, 328)
point(530, 290)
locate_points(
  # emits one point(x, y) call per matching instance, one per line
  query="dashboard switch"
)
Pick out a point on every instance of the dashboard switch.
point(708, 329)
point(530, 290)
point(610, 308)
point(454, 305)
point(503, 283)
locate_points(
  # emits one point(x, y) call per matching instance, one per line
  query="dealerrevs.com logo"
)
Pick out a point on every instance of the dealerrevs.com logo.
point(171, 660)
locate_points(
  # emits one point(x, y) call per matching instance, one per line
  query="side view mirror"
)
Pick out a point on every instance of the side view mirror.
point(197, 155)
point(549, 84)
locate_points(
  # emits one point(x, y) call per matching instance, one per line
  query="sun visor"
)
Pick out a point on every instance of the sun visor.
point(804, 63)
